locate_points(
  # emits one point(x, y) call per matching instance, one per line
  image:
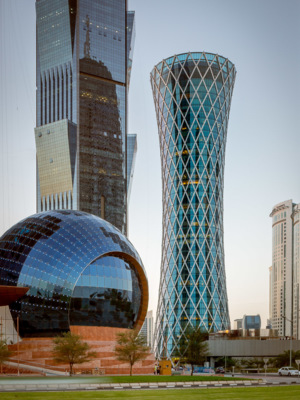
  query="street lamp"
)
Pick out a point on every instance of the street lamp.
point(18, 345)
point(298, 362)
point(291, 338)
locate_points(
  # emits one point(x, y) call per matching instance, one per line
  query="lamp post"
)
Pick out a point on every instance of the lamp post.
point(18, 345)
point(298, 362)
point(225, 355)
point(291, 338)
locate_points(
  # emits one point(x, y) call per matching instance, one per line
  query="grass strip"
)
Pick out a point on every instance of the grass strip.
point(261, 393)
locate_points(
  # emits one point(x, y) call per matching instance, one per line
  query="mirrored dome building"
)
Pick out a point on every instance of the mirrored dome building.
point(80, 271)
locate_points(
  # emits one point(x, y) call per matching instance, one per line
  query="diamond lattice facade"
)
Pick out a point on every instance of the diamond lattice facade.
point(192, 95)
point(84, 58)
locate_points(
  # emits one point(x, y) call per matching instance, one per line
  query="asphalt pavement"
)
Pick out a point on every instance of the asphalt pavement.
point(271, 378)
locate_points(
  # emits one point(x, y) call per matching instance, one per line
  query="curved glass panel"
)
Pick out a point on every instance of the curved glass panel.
point(192, 95)
point(107, 293)
point(49, 252)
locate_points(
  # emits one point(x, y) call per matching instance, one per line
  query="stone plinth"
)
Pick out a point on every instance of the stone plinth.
point(38, 352)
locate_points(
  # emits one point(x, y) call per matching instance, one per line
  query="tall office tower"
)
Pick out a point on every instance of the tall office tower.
point(84, 57)
point(285, 272)
point(269, 321)
point(237, 323)
point(192, 95)
point(147, 329)
point(131, 156)
point(296, 271)
point(251, 322)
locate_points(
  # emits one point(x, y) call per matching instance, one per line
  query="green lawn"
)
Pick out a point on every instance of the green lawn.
point(265, 393)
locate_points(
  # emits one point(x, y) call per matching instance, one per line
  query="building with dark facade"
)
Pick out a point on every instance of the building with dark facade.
point(192, 95)
point(84, 58)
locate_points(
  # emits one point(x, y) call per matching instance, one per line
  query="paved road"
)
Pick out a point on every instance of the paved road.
point(271, 378)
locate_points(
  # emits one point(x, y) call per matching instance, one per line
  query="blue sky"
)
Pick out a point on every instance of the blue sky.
point(261, 37)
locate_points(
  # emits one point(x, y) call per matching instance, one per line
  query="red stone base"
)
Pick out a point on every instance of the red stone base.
point(38, 351)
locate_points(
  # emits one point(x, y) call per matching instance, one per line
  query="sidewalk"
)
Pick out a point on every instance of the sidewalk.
point(21, 385)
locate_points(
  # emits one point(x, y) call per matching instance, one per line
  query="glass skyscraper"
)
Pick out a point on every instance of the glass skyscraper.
point(192, 96)
point(131, 156)
point(84, 57)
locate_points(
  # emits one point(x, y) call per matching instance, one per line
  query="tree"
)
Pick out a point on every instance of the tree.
point(253, 362)
point(5, 353)
point(70, 349)
point(229, 362)
point(131, 347)
point(283, 359)
point(193, 346)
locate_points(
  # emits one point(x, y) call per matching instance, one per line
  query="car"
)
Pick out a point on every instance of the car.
point(220, 370)
point(290, 371)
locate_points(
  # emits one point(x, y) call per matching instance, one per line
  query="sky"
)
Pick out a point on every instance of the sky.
point(261, 37)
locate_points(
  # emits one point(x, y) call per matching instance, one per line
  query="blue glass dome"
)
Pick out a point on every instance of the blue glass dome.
point(80, 271)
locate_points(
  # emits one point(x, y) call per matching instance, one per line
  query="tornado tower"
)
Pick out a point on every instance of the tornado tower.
point(192, 96)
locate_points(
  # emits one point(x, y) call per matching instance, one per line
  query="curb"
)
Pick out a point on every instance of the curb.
point(137, 386)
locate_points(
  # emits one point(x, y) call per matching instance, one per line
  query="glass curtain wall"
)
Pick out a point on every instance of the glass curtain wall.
point(80, 270)
point(192, 95)
point(102, 126)
point(84, 58)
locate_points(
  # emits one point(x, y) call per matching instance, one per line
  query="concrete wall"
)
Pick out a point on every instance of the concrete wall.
point(7, 328)
point(251, 348)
